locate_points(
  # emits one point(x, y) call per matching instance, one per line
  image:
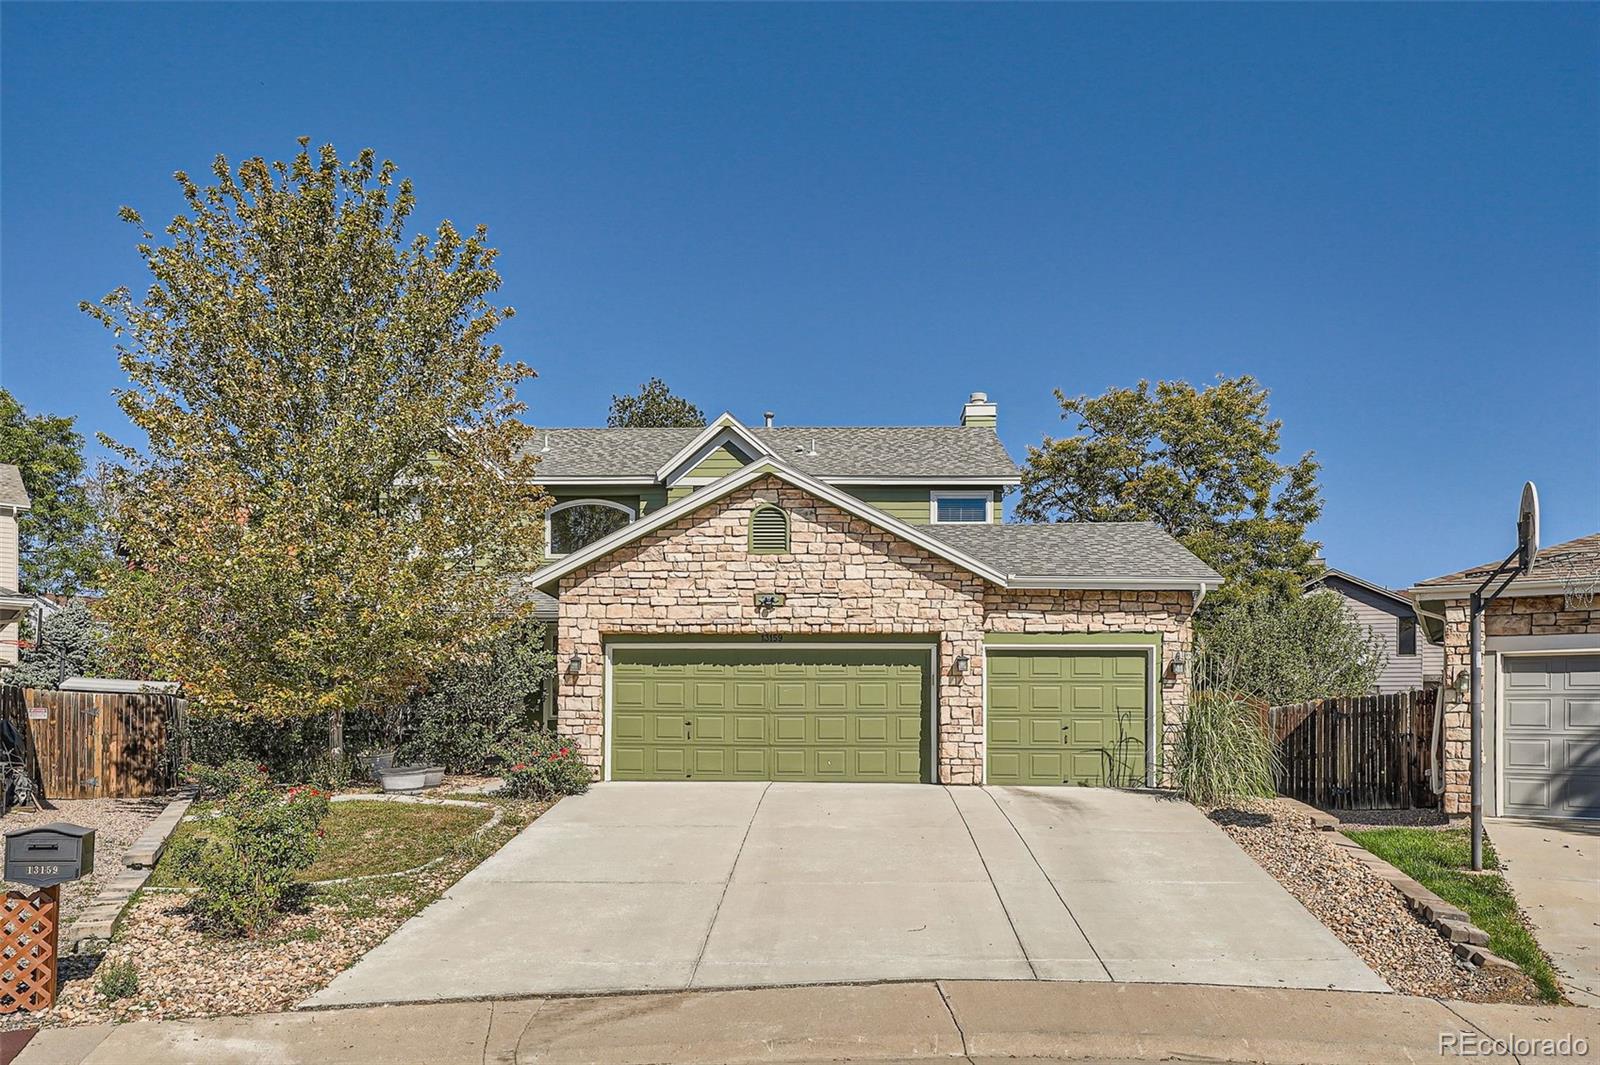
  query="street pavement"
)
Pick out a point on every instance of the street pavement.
point(962, 1021)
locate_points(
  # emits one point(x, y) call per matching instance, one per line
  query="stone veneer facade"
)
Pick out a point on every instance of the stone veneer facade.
point(1545, 615)
point(842, 577)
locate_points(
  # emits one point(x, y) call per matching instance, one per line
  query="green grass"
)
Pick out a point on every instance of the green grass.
point(367, 839)
point(1440, 860)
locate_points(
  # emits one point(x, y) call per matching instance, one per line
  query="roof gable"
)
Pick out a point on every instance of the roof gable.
point(12, 492)
point(724, 433)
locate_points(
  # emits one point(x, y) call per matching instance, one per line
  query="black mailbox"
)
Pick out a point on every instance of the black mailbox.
point(49, 854)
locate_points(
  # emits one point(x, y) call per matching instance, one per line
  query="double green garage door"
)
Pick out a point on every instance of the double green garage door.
point(796, 712)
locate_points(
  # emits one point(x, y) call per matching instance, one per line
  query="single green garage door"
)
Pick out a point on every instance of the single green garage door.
point(769, 713)
point(1067, 717)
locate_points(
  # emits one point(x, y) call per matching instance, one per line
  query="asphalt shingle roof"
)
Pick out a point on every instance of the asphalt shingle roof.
point(12, 494)
point(953, 451)
point(1076, 549)
point(1578, 559)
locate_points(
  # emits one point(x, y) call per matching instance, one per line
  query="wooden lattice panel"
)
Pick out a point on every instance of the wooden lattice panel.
point(28, 949)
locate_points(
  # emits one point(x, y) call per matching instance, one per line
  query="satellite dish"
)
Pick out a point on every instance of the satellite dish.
point(1528, 528)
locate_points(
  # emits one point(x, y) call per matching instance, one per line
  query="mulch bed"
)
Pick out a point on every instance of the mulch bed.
point(183, 972)
point(1361, 909)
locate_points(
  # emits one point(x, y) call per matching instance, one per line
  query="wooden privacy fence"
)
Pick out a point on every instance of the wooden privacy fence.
point(1370, 752)
point(96, 745)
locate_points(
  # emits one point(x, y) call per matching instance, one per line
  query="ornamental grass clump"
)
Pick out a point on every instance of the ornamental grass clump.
point(243, 862)
point(1224, 753)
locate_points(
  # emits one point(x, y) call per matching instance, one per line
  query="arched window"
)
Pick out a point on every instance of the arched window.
point(769, 531)
point(576, 524)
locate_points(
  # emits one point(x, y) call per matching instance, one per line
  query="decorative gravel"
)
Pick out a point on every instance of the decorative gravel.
point(1361, 909)
point(185, 973)
point(117, 823)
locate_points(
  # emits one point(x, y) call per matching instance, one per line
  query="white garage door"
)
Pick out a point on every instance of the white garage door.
point(1552, 736)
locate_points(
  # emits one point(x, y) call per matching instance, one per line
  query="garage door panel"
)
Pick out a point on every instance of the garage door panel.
point(1583, 714)
point(1066, 716)
point(1528, 713)
point(1582, 756)
point(1550, 757)
point(807, 713)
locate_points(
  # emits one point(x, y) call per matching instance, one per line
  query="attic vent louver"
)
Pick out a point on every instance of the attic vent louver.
point(769, 531)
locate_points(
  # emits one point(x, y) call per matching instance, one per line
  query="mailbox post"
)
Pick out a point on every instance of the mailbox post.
point(44, 857)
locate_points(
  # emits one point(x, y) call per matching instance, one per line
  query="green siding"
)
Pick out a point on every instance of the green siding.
point(909, 503)
point(1066, 717)
point(721, 462)
point(766, 713)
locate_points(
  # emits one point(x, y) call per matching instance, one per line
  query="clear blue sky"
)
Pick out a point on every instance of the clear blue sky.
point(1390, 214)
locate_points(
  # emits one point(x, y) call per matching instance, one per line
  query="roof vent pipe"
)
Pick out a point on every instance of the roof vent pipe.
point(766, 416)
point(546, 443)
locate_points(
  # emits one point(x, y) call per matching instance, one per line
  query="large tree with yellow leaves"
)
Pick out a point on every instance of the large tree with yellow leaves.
point(334, 475)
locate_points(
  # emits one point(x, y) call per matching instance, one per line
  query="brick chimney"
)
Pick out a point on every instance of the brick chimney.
point(979, 411)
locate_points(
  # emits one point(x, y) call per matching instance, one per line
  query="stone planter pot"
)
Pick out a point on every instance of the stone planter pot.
point(405, 779)
point(433, 776)
point(373, 763)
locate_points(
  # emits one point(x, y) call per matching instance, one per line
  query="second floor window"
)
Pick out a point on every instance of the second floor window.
point(573, 526)
point(960, 507)
point(1408, 637)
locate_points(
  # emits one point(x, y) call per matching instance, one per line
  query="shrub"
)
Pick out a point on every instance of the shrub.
point(117, 979)
point(294, 751)
point(1223, 752)
point(475, 712)
point(1290, 650)
point(545, 767)
point(243, 864)
point(229, 778)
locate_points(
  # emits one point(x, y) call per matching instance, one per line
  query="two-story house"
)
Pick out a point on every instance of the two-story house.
point(774, 602)
point(13, 604)
point(1412, 662)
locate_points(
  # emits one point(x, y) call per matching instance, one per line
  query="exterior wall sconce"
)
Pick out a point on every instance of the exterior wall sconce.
point(1180, 665)
point(962, 663)
point(575, 664)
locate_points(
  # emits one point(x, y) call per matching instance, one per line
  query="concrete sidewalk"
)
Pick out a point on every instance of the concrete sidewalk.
point(1555, 870)
point(880, 1023)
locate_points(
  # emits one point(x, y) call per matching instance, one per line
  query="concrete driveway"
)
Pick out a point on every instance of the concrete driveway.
point(637, 887)
point(1554, 867)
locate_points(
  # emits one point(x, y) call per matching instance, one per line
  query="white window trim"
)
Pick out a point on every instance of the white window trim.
point(933, 506)
point(632, 514)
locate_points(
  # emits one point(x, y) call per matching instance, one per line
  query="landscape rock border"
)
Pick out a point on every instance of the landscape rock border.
point(1453, 925)
point(93, 928)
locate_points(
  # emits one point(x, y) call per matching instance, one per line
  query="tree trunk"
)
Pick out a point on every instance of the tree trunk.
point(336, 735)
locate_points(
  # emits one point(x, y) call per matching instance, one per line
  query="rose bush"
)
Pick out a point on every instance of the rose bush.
point(242, 863)
point(545, 767)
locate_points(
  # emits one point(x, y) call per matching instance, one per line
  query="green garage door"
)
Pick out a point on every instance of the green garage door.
point(1067, 717)
point(769, 713)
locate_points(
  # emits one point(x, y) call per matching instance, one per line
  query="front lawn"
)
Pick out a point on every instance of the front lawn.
point(1440, 860)
point(364, 838)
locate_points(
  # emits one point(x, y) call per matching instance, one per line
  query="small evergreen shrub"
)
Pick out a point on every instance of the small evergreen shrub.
point(117, 979)
point(545, 767)
point(243, 862)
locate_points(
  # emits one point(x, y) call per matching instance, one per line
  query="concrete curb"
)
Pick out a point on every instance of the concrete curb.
point(1449, 921)
point(94, 926)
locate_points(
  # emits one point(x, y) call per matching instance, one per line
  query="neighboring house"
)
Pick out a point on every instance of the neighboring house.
point(14, 606)
point(1541, 676)
point(1412, 662)
point(782, 603)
